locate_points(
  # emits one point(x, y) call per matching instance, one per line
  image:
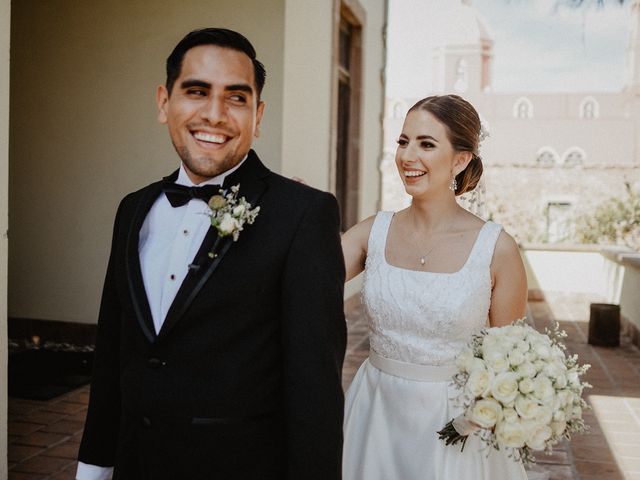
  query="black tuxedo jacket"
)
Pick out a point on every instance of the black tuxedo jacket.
point(243, 379)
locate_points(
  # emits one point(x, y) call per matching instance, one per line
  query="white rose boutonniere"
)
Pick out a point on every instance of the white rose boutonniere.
point(229, 214)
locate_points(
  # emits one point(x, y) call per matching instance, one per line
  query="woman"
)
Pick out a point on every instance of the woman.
point(434, 275)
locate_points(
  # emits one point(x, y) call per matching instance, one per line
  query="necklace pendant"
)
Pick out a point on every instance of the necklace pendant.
point(421, 260)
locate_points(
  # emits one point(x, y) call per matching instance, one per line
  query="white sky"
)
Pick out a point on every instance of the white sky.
point(537, 48)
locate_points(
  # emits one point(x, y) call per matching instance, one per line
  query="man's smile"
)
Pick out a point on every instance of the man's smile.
point(207, 139)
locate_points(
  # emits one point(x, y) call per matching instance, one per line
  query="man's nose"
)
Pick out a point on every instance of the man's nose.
point(215, 110)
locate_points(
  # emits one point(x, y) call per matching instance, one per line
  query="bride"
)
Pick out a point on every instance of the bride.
point(433, 275)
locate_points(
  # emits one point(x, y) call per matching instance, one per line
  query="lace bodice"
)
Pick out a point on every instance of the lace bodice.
point(420, 317)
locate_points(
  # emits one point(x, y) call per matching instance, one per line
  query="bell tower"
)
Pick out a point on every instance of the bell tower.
point(462, 63)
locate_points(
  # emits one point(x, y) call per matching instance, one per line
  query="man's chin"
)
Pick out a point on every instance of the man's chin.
point(207, 167)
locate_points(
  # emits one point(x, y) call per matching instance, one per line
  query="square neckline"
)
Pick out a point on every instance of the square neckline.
point(464, 266)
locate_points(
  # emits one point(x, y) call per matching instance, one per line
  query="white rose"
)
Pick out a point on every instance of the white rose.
point(542, 350)
point(565, 397)
point(516, 331)
point(522, 346)
point(559, 416)
point(516, 358)
point(485, 413)
point(504, 387)
point(538, 436)
point(512, 434)
point(552, 370)
point(544, 415)
point(239, 210)
point(543, 389)
point(577, 412)
point(496, 360)
point(557, 352)
point(526, 370)
point(476, 364)
point(490, 336)
point(561, 381)
point(558, 427)
point(478, 382)
point(526, 407)
point(228, 224)
point(467, 362)
point(509, 414)
point(463, 359)
point(573, 378)
point(491, 343)
point(526, 385)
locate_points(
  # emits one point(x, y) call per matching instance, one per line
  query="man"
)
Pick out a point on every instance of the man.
point(215, 358)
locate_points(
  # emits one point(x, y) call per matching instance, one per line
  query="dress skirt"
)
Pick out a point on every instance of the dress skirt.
point(390, 430)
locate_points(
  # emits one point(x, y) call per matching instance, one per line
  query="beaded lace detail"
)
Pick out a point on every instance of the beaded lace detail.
point(426, 318)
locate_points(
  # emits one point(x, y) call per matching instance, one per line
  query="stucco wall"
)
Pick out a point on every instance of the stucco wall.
point(372, 107)
point(5, 8)
point(310, 100)
point(84, 131)
point(559, 270)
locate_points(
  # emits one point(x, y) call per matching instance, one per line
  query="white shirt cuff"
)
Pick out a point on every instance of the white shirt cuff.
point(93, 472)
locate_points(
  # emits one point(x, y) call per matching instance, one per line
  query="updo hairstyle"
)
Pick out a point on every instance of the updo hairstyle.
point(462, 123)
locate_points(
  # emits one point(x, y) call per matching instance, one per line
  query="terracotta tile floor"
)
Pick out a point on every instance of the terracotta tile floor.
point(44, 436)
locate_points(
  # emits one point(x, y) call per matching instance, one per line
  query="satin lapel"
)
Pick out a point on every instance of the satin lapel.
point(249, 176)
point(134, 272)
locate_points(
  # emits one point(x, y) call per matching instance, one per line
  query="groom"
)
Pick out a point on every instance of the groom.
point(215, 358)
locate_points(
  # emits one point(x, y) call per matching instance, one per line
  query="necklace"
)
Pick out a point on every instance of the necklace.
point(423, 258)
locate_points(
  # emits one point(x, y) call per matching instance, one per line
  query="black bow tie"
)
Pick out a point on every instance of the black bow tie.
point(179, 195)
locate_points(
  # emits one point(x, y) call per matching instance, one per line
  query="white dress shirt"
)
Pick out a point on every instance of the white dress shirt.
point(170, 237)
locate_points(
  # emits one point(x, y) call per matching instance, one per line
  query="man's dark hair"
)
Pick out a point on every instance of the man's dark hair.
point(220, 37)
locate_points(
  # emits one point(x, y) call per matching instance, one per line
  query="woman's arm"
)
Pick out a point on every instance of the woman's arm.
point(509, 294)
point(354, 247)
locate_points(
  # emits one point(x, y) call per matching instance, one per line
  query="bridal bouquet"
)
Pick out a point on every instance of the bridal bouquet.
point(519, 391)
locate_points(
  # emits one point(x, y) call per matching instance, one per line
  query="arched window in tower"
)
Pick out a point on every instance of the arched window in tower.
point(547, 157)
point(523, 108)
point(462, 76)
point(589, 108)
point(574, 156)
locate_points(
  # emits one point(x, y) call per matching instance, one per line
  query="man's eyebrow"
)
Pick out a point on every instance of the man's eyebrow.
point(239, 87)
point(195, 83)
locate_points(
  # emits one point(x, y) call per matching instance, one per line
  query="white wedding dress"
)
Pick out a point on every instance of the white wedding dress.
point(419, 323)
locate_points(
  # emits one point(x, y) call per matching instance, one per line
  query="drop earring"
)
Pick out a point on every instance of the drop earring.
point(453, 186)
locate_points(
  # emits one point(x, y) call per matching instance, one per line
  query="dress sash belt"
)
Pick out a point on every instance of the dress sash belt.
point(412, 371)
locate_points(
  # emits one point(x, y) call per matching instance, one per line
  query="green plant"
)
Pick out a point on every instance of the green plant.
point(616, 220)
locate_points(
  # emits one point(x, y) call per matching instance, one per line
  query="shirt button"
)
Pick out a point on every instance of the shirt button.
point(185, 232)
point(172, 276)
point(146, 422)
point(155, 362)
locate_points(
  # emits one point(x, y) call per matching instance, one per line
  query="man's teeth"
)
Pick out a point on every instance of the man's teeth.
point(414, 173)
point(208, 137)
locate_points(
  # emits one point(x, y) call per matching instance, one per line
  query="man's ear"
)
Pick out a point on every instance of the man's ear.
point(259, 113)
point(162, 101)
point(461, 161)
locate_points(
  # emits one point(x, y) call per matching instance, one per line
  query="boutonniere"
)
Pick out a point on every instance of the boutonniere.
point(229, 214)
